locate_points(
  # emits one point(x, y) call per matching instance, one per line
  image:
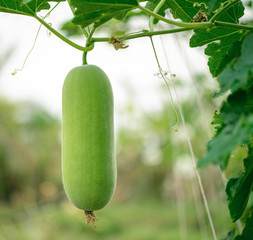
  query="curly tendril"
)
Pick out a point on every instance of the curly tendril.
point(196, 4)
point(16, 70)
point(49, 33)
point(164, 75)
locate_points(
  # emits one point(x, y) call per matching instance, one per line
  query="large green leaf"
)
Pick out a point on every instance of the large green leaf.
point(100, 11)
point(239, 75)
point(222, 52)
point(220, 148)
point(25, 7)
point(235, 127)
point(238, 189)
point(204, 36)
point(224, 42)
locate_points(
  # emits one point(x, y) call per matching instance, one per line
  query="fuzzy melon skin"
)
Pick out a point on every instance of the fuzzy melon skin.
point(88, 152)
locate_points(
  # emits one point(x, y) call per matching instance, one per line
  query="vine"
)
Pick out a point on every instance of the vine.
point(16, 70)
point(162, 74)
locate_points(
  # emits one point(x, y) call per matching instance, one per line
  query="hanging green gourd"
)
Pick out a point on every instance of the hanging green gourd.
point(88, 152)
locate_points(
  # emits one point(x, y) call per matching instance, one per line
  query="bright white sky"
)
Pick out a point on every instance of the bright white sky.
point(130, 69)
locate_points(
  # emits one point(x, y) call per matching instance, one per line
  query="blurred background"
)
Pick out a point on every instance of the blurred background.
point(157, 195)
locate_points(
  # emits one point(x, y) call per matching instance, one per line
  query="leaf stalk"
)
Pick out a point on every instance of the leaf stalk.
point(156, 10)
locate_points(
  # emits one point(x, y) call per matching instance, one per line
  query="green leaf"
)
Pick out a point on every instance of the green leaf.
point(182, 9)
point(212, 4)
point(237, 104)
point(219, 149)
point(217, 121)
point(204, 36)
point(235, 127)
point(98, 11)
point(240, 74)
point(223, 51)
point(71, 29)
point(224, 42)
point(25, 7)
point(238, 189)
point(248, 229)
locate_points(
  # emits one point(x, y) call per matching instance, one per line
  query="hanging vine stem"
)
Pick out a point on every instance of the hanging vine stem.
point(192, 154)
point(180, 197)
point(34, 43)
point(199, 211)
point(175, 127)
point(203, 113)
point(89, 44)
point(195, 164)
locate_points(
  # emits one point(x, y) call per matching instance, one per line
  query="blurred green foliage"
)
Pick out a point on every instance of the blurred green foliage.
point(29, 153)
point(145, 220)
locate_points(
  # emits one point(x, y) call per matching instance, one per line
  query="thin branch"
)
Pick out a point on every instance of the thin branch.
point(179, 24)
point(89, 38)
point(201, 24)
point(233, 25)
point(145, 33)
point(63, 38)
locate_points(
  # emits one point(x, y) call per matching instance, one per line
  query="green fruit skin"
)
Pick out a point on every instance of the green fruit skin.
point(88, 151)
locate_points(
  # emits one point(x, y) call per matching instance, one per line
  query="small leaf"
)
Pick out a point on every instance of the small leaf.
point(221, 146)
point(238, 76)
point(222, 51)
point(217, 121)
point(235, 127)
point(204, 36)
point(98, 11)
point(71, 29)
point(238, 189)
point(25, 7)
point(224, 42)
